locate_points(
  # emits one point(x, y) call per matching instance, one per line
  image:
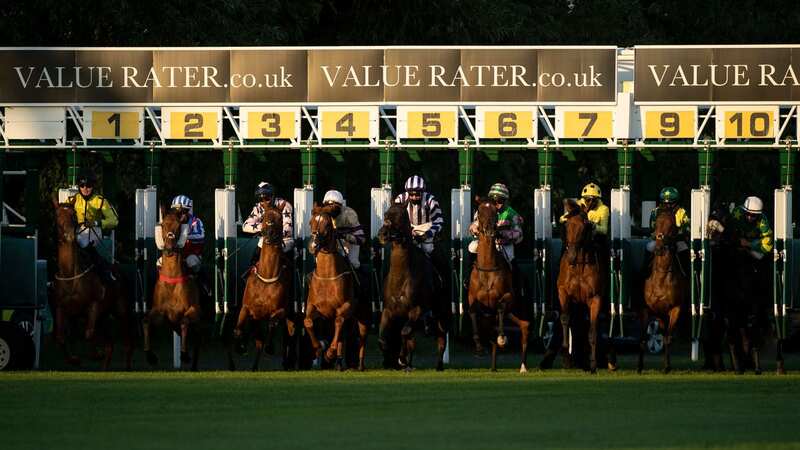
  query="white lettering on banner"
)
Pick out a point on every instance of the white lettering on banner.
point(738, 75)
point(84, 77)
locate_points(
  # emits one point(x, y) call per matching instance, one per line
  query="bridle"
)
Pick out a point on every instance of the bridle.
point(319, 241)
point(489, 230)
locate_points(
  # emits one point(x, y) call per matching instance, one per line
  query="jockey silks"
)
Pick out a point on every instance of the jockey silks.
point(426, 211)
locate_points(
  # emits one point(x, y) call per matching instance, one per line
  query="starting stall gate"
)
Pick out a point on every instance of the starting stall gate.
point(610, 112)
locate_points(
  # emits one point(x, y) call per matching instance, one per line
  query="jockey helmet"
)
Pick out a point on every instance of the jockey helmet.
point(591, 190)
point(415, 183)
point(264, 189)
point(333, 196)
point(498, 191)
point(86, 178)
point(182, 202)
point(669, 195)
point(753, 205)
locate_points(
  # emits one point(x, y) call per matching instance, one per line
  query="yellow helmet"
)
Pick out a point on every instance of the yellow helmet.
point(591, 190)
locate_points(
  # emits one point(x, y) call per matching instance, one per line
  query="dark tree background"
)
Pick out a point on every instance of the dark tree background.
point(394, 22)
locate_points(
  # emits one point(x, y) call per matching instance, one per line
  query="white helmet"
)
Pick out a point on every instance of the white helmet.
point(333, 197)
point(753, 205)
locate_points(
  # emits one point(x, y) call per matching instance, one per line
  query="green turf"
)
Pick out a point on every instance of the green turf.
point(464, 409)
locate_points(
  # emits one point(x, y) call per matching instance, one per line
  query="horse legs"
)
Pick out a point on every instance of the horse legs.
point(308, 323)
point(501, 314)
point(61, 337)
point(441, 338)
point(151, 357)
point(779, 356)
point(567, 360)
point(382, 327)
point(643, 319)
point(185, 340)
point(594, 312)
point(363, 331)
point(342, 314)
point(524, 331)
point(91, 335)
point(473, 317)
point(259, 338)
point(673, 322)
point(755, 348)
point(236, 338)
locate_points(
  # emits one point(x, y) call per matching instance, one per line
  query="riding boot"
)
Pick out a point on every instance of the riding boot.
point(102, 266)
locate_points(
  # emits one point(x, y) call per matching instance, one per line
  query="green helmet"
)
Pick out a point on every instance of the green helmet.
point(669, 194)
point(499, 190)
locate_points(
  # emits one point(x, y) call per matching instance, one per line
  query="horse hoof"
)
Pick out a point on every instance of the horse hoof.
point(440, 367)
point(612, 367)
point(501, 341)
point(781, 371)
point(523, 369)
point(593, 370)
point(408, 369)
point(667, 370)
point(361, 368)
point(758, 371)
point(382, 344)
point(317, 364)
point(639, 370)
point(493, 369)
point(152, 359)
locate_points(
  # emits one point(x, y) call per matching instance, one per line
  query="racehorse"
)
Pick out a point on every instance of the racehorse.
point(491, 290)
point(80, 292)
point(580, 281)
point(176, 296)
point(742, 293)
point(408, 291)
point(267, 290)
point(331, 293)
point(666, 287)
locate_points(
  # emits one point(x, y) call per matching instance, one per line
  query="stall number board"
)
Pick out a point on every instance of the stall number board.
point(191, 123)
point(506, 123)
point(669, 123)
point(746, 122)
point(270, 123)
point(348, 123)
point(584, 124)
point(439, 122)
point(114, 123)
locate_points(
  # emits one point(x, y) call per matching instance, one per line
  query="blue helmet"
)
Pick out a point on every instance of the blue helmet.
point(264, 189)
point(182, 202)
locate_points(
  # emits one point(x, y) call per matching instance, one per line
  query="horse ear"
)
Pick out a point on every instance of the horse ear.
point(54, 198)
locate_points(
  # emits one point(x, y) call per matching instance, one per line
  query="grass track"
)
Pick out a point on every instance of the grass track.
point(459, 409)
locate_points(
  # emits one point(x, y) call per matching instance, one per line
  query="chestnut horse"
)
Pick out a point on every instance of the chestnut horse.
point(580, 279)
point(267, 290)
point(665, 289)
point(80, 292)
point(176, 295)
point(408, 291)
point(491, 289)
point(331, 294)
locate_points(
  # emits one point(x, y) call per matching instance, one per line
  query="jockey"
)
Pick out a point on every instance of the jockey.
point(668, 201)
point(95, 215)
point(348, 230)
point(753, 228)
point(265, 193)
point(598, 215)
point(192, 251)
point(427, 220)
point(509, 229)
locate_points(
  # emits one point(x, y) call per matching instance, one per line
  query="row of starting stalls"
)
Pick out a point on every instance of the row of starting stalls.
point(24, 280)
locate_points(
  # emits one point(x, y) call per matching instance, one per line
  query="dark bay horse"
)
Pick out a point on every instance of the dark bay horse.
point(491, 292)
point(266, 295)
point(331, 293)
point(666, 288)
point(408, 291)
point(79, 292)
point(743, 292)
point(580, 279)
point(176, 297)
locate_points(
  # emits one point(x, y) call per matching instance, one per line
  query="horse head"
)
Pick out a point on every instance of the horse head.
point(272, 226)
point(322, 238)
point(66, 222)
point(396, 225)
point(665, 231)
point(487, 218)
point(173, 233)
point(576, 227)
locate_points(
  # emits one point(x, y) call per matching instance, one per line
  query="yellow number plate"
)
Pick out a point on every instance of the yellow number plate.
point(670, 124)
point(115, 125)
point(345, 125)
point(194, 125)
point(508, 124)
point(271, 125)
point(749, 124)
point(431, 125)
point(588, 124)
